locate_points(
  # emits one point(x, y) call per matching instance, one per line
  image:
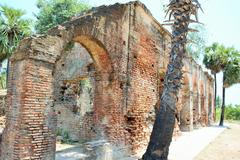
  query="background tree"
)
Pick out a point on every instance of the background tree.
point(218, 102)
point(215, 59)
point(196, 48)
point(231, 75)
point(13, 28)
point(54, 12)
point(161, 135)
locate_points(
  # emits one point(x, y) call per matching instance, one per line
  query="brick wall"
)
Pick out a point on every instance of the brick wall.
point(128, 52)
point(3, 94)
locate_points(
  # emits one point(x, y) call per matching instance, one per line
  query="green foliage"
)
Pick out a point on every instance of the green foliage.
point(198, 39)
point(219, 58)
point(13, 28)
point(69, 46)
point(216, 57)
point(59, 132)
point(218, 102)
point(54, 12)
point(231, 112)
point(232, 68)
point(3, 78)
point(65, 135)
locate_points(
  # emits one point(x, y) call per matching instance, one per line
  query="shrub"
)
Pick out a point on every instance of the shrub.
point(231, 112)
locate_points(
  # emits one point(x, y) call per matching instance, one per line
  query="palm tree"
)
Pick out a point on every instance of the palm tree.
point(161, 136)
point(231, 75)
point(215, 60)
point(13, 28)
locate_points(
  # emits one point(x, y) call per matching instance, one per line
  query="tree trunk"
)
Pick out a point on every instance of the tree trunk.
point(161, 136)
point(215, 95)
point(1, 78)
point(223, 104)
point(7, 72)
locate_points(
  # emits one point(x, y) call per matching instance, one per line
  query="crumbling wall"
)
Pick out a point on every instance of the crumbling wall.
point(148, 58)
point(3, 94)
point(74, 92)
point(121, 51)
point(199, 96)
point(31, 81)
point(184, 101)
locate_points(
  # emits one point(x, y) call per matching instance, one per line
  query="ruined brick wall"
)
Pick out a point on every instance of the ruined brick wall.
point(31, 125)
point(3, 94)
point(122, 52)
point(2, 112)
point(148, 57)
point(197, 92)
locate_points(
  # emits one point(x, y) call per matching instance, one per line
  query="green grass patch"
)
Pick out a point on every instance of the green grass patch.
point(231, 113)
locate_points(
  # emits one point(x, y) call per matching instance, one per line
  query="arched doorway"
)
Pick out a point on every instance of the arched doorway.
point(81, 86)
point(45, 87)
point(74, 90)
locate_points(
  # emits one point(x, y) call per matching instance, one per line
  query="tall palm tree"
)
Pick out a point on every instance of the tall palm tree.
point(231, 75)
point(13, 28)
point(215, 60)
point(161, 136)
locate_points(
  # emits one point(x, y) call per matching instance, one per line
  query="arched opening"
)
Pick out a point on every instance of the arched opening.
point(74, 86)
point(80, 80)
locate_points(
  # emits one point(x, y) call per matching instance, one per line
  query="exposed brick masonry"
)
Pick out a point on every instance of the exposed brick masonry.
point(128, 54)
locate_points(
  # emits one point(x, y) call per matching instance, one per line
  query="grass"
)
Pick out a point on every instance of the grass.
point(232, 113)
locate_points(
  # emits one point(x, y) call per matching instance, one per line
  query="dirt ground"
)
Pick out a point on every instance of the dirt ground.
point(225, 147)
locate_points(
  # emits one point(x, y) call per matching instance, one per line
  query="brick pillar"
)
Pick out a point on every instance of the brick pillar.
point(31, 121)
point(186, 117)
point(30, 132)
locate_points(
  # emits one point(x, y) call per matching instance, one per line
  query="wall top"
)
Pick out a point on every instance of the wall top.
point(41, 47)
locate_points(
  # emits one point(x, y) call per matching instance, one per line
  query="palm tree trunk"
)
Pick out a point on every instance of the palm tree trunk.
point(223, 104)
point(161, 136)
point(215, 95)
point(7, 73)
point(1, 75)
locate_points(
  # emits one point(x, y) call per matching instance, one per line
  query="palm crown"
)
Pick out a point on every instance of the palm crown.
point(13, 28)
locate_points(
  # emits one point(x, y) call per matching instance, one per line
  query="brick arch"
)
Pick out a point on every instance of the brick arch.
point(32, 101)
point(102, 86)
point(97, 51)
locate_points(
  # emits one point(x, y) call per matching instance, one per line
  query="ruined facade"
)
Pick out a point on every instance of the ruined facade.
point(98, 76)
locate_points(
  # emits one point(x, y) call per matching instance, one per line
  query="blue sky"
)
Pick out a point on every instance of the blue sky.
point(221, 18)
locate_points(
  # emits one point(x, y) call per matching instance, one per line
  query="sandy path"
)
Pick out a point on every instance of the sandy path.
point(190, 144)
point(225, 147)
